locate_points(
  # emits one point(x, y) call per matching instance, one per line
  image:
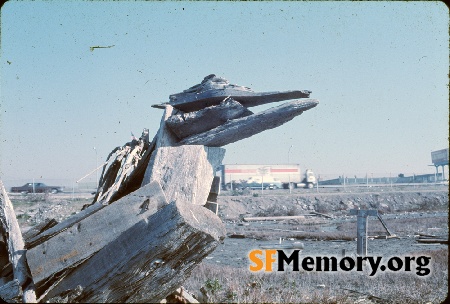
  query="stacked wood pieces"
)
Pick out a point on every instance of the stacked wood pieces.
point(240, 128)
point(21, 283)
point(124, 169)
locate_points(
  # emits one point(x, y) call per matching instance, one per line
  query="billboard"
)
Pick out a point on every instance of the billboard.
point(440, 157)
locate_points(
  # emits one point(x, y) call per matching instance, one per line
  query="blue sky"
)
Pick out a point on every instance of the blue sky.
point(379, 70)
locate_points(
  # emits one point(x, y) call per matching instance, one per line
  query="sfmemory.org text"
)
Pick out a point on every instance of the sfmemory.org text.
point(266, 259)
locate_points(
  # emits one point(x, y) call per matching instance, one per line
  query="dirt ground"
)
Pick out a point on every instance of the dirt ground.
point(407, 212)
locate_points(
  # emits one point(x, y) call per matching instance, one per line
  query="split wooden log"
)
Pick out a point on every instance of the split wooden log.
point(186, 172)
point(125, 169)
point(150, 260)
point(187, 124)
point(213, 89)
point(38, 229)
point(433, 241)
point(64, 251)
point(54, 230)
point(321, 214)
point(15, 246)
point(241, 128)
point(384, 224)
point(10, 291)
point(211, 201)
point(275, 218)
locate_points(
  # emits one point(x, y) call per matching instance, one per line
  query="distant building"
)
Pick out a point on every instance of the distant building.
point(439, 158)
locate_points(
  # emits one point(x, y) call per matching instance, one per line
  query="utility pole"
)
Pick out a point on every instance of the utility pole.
point(290, 187)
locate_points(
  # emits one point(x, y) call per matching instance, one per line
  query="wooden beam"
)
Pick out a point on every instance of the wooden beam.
point(187, 124)
point(16, 246)
point(77, 243)
point(213, 89)
point(215, 190)
point(9, 291)
point(69, 222)
point(184, 171)
point(150, 260)
point(275, 218)
point(241, 128)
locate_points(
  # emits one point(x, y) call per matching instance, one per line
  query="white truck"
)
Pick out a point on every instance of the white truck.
point(257, 176)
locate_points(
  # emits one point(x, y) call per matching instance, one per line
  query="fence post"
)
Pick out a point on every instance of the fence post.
point(361, 229)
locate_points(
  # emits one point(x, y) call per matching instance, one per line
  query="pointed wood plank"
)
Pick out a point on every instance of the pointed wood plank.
point(241, 128)
point(150, 260)
point(185, 172)
point(187, 124)
point(80, 241)
point(16, 246)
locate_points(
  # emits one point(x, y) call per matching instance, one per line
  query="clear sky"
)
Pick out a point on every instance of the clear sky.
point(379, 70)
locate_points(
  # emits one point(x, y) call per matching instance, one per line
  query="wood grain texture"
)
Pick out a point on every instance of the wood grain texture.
point(150, 260)
point(187, 124)
point(16, 246)
point(77, 243)
point(245, 127)
point(186, 172)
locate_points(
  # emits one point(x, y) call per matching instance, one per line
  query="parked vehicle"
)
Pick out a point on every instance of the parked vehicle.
point(309, 180)
point(37, 188)
point(268, 184)
point(281, 176)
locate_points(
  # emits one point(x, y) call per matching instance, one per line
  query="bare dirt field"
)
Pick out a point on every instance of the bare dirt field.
point(224, 276)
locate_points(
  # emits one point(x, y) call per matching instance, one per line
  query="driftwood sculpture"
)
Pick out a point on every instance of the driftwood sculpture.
point(147, 227)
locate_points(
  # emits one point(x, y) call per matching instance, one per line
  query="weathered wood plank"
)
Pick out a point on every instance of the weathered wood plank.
point(38, 229)
point(246, 98)
point(187, 124)
point(214, 207)
point(241, 128)
point(184, 171)
point(274, 218)
point(150, 260)
point(77, 243)
point(213, 89)
point(215, 190)
point(60, 227)
point(10, 290)
point(16, 246)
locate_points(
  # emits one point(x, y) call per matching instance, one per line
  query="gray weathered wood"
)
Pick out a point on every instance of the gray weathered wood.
point(213, 89)
point(184, 171)
point(77, 243)
point(16, 246)
point(214, 207)
point(241, 128)
point(215, 189)
point(165, 137)
point(187, 124)
point(275, 218)
point(10, 290)
point(69, 222)
point(38, 229)
point(150, 260)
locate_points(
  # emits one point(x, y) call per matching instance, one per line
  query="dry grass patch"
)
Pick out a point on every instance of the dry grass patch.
point(237, 285)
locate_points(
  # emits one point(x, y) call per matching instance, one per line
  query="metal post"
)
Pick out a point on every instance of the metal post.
point(317, 183)
point(262, 184)
point(361, 231)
